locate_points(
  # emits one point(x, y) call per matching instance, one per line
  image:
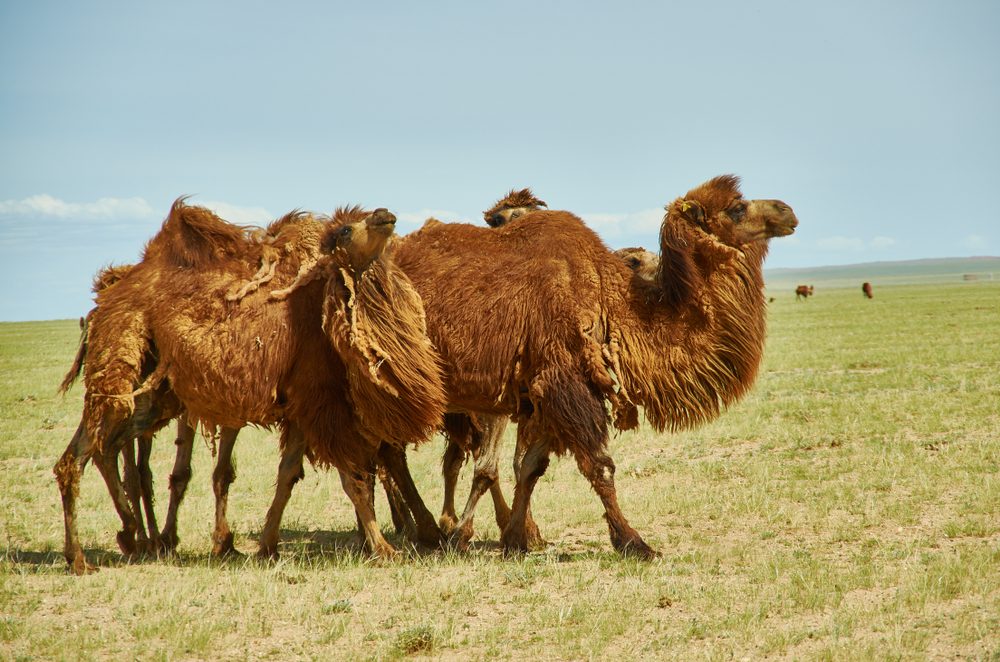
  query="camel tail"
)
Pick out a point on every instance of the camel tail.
point(81, 353)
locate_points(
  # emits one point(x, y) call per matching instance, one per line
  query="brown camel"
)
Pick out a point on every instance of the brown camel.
point(233, 356)
point(803, 292)
point(866, 289)
point(571, 329)
point(138, 479)
point(481, 436)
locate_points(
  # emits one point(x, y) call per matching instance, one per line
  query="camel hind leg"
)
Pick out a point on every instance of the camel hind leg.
point(356, 488)
point(144, 444)
point(135, 494)
point(394, 461)
point(486, 453)
point(180, 477)
point(222, 478)
point(532, 466)
point(68, 471)
point(290, 471)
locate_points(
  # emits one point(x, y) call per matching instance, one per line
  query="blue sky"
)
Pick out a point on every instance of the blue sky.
point(877, 121)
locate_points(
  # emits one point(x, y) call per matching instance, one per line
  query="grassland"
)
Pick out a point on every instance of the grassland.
point(848, 508)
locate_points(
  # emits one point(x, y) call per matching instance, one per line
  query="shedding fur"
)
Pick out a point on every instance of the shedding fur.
point(572, 330)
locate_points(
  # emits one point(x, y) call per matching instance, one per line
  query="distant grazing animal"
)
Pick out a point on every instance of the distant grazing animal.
point(803, 292)
point(866, 288)
point(571, 330)
point(339, 358)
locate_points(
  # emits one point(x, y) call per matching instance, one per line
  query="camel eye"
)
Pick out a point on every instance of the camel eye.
point(514, 214)
point(344, 233)
point(737, 213)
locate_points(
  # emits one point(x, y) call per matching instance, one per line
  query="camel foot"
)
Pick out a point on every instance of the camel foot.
point(225, 548)
point(79, 566)
point(167, 544)
point(267, 553)
point(635, 547)
point(127, 544)
point(385, 552)
point(447, 524)
point(431, 536)
point(533, 536)
point(514, 543)
point(460, 539)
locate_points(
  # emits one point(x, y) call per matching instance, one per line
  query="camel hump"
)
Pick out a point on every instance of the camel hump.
point(194, 236)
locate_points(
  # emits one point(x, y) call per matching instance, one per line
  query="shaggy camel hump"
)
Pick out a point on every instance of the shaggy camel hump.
point(193, 237)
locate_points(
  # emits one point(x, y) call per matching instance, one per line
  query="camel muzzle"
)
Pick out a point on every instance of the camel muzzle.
point(381, 217)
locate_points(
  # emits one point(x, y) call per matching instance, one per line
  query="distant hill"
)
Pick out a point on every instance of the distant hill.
point(904, 272)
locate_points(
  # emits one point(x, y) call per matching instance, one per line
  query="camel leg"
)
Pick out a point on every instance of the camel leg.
point(402, 520)
point(451, 466)
point(68, 471)
point(144, 442)
point(531, 467)
point(180, 476)
point(534, 536)
point(599, 468)
point(290, 471)
point(133, 490)
point(356, 487)
point(222, 477)
point(107, 464)
point(486, 452)
point(359, 532)
point(394, 461)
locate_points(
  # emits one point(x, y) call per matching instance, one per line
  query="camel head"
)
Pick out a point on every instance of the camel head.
point(511, 206)
point(718, 208)
point(358, 236)
point(644, 263)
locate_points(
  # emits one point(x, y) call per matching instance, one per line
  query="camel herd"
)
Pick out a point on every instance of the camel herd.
point(357, 343)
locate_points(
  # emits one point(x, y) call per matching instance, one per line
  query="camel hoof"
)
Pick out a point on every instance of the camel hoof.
point(225, 548)
point(460, 539)
point(127, 544)
point(447, 524)
point(533, 537)
point(267, 554)
point(637, 549)
point(80, 567)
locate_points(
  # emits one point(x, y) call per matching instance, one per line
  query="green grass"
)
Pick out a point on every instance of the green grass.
point(848, 508)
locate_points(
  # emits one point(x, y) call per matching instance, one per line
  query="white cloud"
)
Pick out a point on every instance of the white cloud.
point(412, 220)
point(104, 209)
point(841, 243)
point(645, 223)
point(854, 244)
point(236, 214)
point(976, 242)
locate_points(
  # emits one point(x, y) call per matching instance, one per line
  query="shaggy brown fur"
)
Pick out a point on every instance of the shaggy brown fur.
point(246, 361)
point(481, 438)
point(803, 292)
point(866, 289)
point(571, 328)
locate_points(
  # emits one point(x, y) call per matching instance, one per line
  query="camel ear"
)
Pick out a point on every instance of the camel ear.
point(692, 212)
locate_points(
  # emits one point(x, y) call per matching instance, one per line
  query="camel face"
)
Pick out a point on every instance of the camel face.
point(513, 205)
point(718, 208)
point(506, 216)
point(363, 240)
point(644, 263)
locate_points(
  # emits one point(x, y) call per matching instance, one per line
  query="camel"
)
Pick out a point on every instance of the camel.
point(572, 330)
point(480, 436)
point(803, 292)
point(229, 354)
point(866, 289)
point(138, 479)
